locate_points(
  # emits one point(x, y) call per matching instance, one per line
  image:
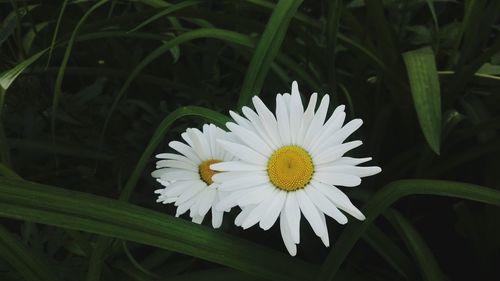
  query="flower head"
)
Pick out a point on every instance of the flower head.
point(289, 163)
point(187, 176)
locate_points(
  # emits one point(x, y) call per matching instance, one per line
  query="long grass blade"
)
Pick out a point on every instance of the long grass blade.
point(225, 35)
point(56, 31)
point(267, 49)
point(159, 134)
point(390, 194)
point(26, 262)
point(75, 210)
point(64, 63)
point(426, 93)
point(423, 256)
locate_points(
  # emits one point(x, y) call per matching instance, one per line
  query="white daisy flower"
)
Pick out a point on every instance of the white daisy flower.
point(187, 176)
point(290, 164)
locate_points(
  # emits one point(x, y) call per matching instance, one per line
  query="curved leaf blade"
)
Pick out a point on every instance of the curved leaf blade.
point(390, 194)
point(424, 84)
point(267, 49)
point(75, 210)
point(26, 262)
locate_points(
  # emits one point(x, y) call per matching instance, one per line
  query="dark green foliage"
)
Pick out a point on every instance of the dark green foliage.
point(90, 90)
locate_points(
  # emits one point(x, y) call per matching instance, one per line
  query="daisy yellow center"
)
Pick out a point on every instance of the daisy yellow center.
point(205, 172)
point(290, 168)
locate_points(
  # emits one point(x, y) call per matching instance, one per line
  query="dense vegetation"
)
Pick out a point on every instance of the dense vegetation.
point(91, 90)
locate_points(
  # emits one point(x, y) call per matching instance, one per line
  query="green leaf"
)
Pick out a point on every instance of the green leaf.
point(217, 118)
point(225, 35)
point(425, 90)
point(421, 252)
point(166, 11)
point(390, 194)
point(56, 30)
point(267, 49)
point(389, 250)
point(64, 63)
point(7, 172)
point(7, 77)
point(75, 210)
point(26, 262)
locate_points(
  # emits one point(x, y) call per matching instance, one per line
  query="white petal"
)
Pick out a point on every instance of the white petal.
point(200, 144)
point(292, 211)
point(210, 131)
point(257, 195)
point(337, 179)
point(176, 164)
point(268, 121)
point(175, 174)
point(296, 111)
point(243, 215)
point(310, 213)
point(244, 181)
point(187, 139)
point(317, 121)
point(325, 238)
point(286, 235)
point(174, 156)
point(241, 120)
point(165, 200)
point(230, 200)
point(306, 119)
point(243, 152)
point(216, 218)
point(175, 189)
point(181, 209)
point(339, 199)
point(325, 205)
point(198, 219)
point(250, 139)
point(273, 211)
point(258, 212)
point(237, 166)
point(190, 193)
point(350, 170)
point(332, 125)
point(257, 124)
point(351, 161)
point(186, 151)
point(339, 136)
point(207, 200)
point(334, 153)
point(282, 117)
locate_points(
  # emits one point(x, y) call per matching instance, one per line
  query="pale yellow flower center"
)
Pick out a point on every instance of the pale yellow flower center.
point(205, 172)
point(290, 168)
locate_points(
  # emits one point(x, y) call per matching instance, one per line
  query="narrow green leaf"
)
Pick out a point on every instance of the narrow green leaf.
point(425, 259)
point(225, 35)
point(425, 90)
point(75, 210)
point(390, 194)
point(217, 118)
point(30, 36)
point(56, 30)
point(389, 251)
point(166, 11)
point(267, 49)
point(7, 172)
point(64, 63)
point(7, 77)
point(26, 262)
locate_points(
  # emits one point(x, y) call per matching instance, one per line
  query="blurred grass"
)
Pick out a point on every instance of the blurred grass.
point(119, 79)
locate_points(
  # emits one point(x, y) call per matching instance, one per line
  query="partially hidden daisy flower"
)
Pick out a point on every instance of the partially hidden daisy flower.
point(291, 163)
point(187, 176)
